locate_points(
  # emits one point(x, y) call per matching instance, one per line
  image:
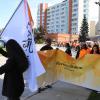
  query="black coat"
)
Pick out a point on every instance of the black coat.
point(17, 63)
point(13, 84)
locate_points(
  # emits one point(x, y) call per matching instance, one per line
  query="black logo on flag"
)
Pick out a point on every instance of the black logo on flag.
point(27, 44)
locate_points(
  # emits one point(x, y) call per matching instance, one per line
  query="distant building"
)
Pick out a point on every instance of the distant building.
point(93, 17)
point(42, 15)
point(79, 9)
point(56, 18)
point(65, 17)
point(92, 28)
point(98, 23)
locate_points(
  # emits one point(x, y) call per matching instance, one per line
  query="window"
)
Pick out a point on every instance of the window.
point(62, 30)
point(57, 14)
point(57, 26)
point(74, 9)
point(84, 10)
point(75, 5)
point(53, 7)
point(57, 10)
point(62, 25)
point(57, 17)
point(74, 15)
point(57, 6)
point(75, 0)
point(62, 12)
point(57, 30)
point(62, 21)
point(63, 17)
point(57, 22)
point(62, 8)
point(64, 4)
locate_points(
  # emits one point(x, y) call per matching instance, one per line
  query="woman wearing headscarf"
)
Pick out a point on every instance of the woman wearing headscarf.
point(95, 49)
point(84, 50)
point(17, 63)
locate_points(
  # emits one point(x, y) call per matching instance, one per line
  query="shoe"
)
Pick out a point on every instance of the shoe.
point(49, 86)
point(39, 90)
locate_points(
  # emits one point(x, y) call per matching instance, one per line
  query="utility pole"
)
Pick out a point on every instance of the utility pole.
point(98, 24)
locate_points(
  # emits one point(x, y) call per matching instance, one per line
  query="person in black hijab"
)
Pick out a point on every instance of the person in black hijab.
point(17, 63)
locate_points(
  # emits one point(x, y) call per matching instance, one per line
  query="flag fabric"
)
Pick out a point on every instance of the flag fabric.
point(19, 28)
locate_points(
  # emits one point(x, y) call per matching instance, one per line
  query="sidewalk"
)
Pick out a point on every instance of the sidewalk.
point(60, 91)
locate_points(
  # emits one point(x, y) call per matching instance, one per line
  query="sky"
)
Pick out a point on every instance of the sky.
point(7, 8)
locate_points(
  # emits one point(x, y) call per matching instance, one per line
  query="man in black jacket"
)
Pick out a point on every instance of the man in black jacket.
point(47, 46)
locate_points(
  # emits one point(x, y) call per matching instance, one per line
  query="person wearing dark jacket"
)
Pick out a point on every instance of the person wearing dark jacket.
point(78, 51)
point(17, 63)
point(68, 49)
point(47, 46)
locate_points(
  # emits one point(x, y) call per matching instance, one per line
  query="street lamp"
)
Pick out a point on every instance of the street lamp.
point(98, 3)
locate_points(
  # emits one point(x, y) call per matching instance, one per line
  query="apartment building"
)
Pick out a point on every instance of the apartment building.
point(80, 9)
point(42, 15)
point(57, 18)
point(64, 17)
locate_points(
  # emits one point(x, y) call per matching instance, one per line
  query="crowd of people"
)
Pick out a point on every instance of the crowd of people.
point(80, 48)
point(83, 48)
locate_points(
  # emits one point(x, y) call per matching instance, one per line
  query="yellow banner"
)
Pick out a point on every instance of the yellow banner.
point(60, 66)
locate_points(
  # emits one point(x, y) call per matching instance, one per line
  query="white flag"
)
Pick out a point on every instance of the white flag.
point(19, 28)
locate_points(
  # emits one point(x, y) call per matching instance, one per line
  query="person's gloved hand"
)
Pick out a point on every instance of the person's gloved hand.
point(3, 52)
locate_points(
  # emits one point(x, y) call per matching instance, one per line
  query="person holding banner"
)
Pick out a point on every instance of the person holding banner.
point(48, 45)
point(68, 49)
point(17, 63)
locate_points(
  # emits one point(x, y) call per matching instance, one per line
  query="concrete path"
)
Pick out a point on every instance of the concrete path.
point(59, 91)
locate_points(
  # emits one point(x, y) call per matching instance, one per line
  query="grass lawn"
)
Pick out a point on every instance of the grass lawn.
point(94, 96)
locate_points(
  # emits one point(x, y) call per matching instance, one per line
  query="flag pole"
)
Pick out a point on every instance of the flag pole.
point(11, 17)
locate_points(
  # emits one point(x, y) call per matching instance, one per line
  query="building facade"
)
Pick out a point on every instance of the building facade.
point(80, 9)
point(64, 17)
point(57, 18)
point(42, 15)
